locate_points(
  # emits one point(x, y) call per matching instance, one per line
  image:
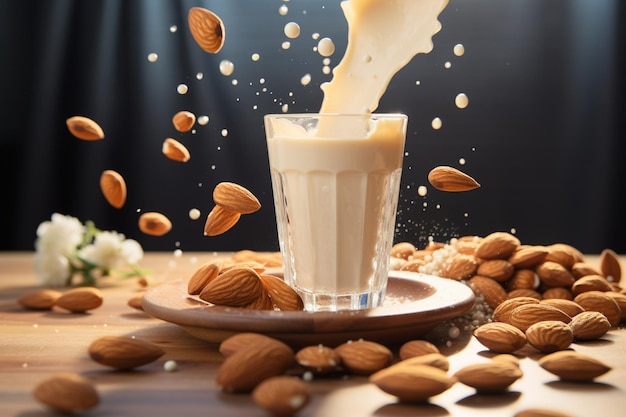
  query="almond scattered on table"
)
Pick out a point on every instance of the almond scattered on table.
point(122, 352)
point(67, 392)
point(81, 299)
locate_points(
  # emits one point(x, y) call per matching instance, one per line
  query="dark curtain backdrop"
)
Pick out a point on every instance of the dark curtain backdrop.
point(543, 134)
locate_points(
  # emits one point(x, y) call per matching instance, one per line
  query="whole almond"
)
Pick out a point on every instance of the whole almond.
point(403, 250)
point(281, 294)
point(500, 337)
point(247, 367)
point(84, 128)
point(569, 307)
point(242, 340)
point(558, 292)
point(412, 383)
point(413, 265)
point(526, 315)
point(80, 299)
point(522, 279)
point(136, 301)
point(459, 267)
point(503, 311)
point(416, 348)
point(202, 276)
point(207, 29)
point(220, 220)
point(436, 360)
point(549, 336)
point(589, 325)
point(563, 254)
point(364, 357)
point(492, 291)
point(525, 292)
point(445, 178)
point(319, 359)
point(154, 223)
point(528, 256)
point(251, 263)
point(183, 121)
point(497, 269)
point(493, 376)
point(620, 299)
point(580, 269)
point(553, 274)
point(67, 392)
point(175, 150)
point(234, 288)
point(570, 365)
point(600, 301)
point(235, 198)
point(262, 302)
point(590, 283)
point(113, 187)
point(497, 245)
point(282, 395)
point(41, 299)
point(122, 352)
point(610, 265)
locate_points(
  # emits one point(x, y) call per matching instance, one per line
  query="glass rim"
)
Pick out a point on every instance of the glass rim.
point(335, 115)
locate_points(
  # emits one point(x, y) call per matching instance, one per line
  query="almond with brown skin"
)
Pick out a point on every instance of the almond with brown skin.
point(263, 302)
point(445, 178)
point(84, 128)
point(525, 292)
point(136, 301)
point(235, 198)
point(79, 300)
point(236, 287)
point(459, 267)
point(282, 395)
point(412, 383)
point(526, 315)
point(319, 359)
point(494, 376)
point(242, 340)
point(580, 269)
point(528, 256)
point(553, 274)
point(220, 220)
point(589, 325)
point(610, 265)
point(41, 299)
point(569, 307)
point(246, 368)
point(503, 311)
point(67, 392)
point(563, 254)
point(570, 365)
point(154, 223)
point(523, 279)
point(403, 250)
point(436, 360)
point(558, 292)
point(202, 276)
point(175, 150)
point(122, 352)
point(497, 269)
point(207, 29)
point(413, 265)
point(183, 121)
point(416, 348)
point(548, 336)
point(497, 245)
point(492, 292)
point(113, 187)
point(620, 299)
point(281, 294)
point(600, 301)
point(590, 283)
point(364, 357)
point(500, 337)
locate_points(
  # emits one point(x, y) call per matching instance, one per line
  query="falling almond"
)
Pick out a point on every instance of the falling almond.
point(207, 29)
point(175, 150)
point(84, 128)
point(220, 220)
point(154, 223)
point(235, 198)
point(113, 188)
point(446, 178)
point(184, 120)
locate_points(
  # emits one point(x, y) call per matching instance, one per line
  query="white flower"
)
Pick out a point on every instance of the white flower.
point(110, 250)
point(52, 269)
point(59, 236)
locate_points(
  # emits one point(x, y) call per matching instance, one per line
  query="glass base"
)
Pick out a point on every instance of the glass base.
point(314, 302)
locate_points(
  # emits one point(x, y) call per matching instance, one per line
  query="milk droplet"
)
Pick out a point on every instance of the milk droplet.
point(173, 28)
point(285, 108)
point(461, 161)
point(326, 47)
point(203, 120)
point(261, 80)
point(458, 49)
point(315, 36)
point(182, 89)
point(199, 76)
point(325, 70)
point(178, 252)
point(447, 65)
point(286, 45)
point(194, 214)
point(235, 82)
point(418, 83)
point(436, 123)
point(256, 57)
point(422, 190)
point(292, 30)
point(461, 100)
point(226, 67)
point(306, 79)
point(326, 61)
point(152, 57)
point(224, 132)
point(170, 365)
point(283, 10)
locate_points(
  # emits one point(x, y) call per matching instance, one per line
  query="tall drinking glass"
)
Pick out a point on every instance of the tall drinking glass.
point(336, 180)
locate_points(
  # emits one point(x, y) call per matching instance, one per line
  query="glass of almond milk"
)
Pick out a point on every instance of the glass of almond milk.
point(336, 179)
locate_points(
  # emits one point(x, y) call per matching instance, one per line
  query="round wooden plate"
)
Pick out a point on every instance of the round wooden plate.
point(415, 304)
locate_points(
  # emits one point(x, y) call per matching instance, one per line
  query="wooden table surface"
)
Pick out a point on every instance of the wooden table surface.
point(36, 344)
